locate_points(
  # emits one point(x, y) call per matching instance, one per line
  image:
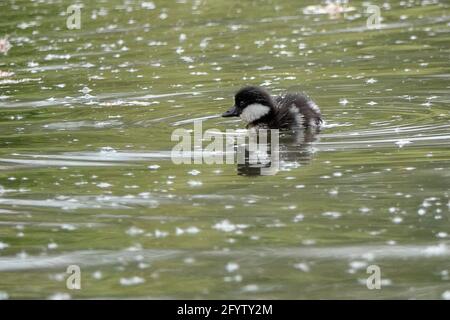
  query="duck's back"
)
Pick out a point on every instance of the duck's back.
point(296, 109)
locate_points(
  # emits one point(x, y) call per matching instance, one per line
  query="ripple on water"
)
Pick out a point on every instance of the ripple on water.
point(86, 258)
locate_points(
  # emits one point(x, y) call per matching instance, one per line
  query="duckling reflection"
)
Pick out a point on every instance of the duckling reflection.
point(294, 149)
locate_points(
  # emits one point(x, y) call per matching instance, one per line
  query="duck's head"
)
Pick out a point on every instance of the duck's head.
point(251, 104)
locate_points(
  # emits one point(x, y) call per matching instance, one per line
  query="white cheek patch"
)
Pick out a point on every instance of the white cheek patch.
point(254, 112)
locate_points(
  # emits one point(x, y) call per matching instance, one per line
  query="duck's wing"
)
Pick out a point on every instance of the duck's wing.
point(294, 105)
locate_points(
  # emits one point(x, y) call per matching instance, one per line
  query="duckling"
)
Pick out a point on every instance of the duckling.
point(259, 109)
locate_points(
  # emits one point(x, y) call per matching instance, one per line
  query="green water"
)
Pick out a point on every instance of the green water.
point(85, 138)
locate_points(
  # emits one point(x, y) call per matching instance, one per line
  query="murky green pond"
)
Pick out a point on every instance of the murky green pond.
point(85, 139)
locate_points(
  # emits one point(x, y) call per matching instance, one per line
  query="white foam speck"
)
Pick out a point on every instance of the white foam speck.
point(189, 230)
point(332, 214)
point(227, 226)
point(235, 278)
point(134, 231)
point(397, 219)
point(60, 296)
point(52, 246)
point(250, 288)
point(85, 90)
point(104, 185)
point(3, 245)
point(356, 265)
point(194, 183)
point(231, 266)
point(392, 209)
point(68, 227)
point(131, 281)
point(302, 266)
point(192, 230)
point(402, 143)
point(149, 5)
point(446, 295)
point(161, 234)
point(343, 101)
point(437, 250)
point(179, 231)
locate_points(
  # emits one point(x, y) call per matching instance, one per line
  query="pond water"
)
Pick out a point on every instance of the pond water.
point(85, 139)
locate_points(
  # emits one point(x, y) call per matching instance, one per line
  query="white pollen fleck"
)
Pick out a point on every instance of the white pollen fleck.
point(446, 295)
point(332, 214)
point(397, 219)
point(343, 101)
point(194, 172)
point(302, 266)
point(194, 183)
point(231, 266)
point(52, 246)
point(104, 185)
point(131, 281)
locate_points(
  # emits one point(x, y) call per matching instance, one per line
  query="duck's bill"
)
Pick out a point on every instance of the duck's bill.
point(233, 112)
